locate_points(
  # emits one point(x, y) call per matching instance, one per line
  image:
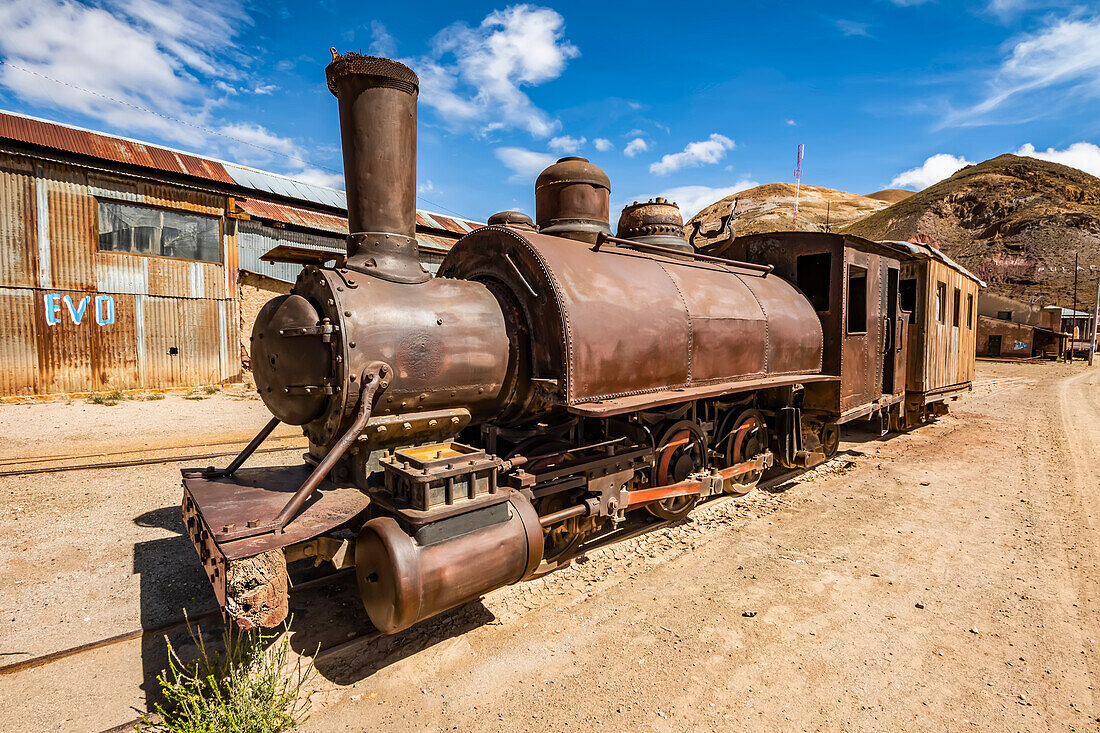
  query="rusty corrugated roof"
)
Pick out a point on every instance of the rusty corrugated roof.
point(79, 141)
point(295, 215)
point(106, 147)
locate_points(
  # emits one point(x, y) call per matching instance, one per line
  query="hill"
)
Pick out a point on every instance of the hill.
point(770, 208)
point(1014, 221)
point(890, 195)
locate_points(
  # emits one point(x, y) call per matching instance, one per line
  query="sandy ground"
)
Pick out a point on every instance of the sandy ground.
point(944, 578)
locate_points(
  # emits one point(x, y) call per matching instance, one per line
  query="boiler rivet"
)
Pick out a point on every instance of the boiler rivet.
point(347, 314)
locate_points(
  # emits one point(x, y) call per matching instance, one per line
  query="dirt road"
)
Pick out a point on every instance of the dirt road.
point(944, 578)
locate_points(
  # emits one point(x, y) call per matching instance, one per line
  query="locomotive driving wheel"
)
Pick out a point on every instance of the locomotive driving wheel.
point(562, 538)
point(747, 438)
point(681, 451)
point(830, 439)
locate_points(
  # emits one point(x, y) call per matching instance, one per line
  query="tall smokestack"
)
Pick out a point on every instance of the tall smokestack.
point(377, 100)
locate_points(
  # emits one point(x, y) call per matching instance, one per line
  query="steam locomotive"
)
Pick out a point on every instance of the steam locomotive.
point(472, 430)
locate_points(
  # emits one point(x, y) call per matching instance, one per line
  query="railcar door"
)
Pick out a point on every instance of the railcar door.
point(893, 351)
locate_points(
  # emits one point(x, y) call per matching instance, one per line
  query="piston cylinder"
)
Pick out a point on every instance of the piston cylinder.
point(402, 581)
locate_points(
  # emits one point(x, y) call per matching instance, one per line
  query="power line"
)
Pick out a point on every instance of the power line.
point(201, 128)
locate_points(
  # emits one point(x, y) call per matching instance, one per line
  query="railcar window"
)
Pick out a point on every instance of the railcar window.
point(857, 299)
point(813, 274)
point(956, 307)
point(907, 291)
point(970, 311)
point(1004, 315)
point(146, 230)
point(941, 302)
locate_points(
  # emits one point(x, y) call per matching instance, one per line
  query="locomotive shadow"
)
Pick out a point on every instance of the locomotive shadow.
point(359, 661)
point(172, 582)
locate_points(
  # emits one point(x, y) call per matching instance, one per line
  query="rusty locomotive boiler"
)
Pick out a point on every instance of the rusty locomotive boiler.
point(472, 430)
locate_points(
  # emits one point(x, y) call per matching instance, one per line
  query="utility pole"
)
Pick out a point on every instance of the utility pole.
point(797, 182)
point(1073, 318)
point(1095, 319)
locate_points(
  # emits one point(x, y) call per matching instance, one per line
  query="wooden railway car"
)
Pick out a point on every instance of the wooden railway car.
point(941, 298)
point(853, 284)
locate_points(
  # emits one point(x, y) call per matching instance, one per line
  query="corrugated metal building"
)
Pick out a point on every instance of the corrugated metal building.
point(120, 260)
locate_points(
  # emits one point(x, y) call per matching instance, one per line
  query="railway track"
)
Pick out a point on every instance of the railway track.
point(31, 466)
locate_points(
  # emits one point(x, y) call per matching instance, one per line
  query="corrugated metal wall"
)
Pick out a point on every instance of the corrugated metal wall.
point(76, 319)
point(255, 239)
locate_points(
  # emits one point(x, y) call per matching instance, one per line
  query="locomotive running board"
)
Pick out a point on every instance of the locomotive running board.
point(631, 403)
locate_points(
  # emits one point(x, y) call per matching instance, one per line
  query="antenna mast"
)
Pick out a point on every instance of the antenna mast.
point(797, 182)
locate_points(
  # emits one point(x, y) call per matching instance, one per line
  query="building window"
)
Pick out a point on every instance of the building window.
point(956, 304)
point(145, 230)
point(813, 275)
point(970, 311)
point(857, 299)
point(1004, 315)
point(941, 302)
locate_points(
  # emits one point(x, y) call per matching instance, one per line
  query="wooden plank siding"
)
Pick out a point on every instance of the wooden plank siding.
point(942, 354)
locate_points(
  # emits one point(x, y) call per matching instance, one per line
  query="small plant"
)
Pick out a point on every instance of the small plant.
point(211, 389)
point(155, 396)
point(110, 400)
point(246, 687)
point(194, 396)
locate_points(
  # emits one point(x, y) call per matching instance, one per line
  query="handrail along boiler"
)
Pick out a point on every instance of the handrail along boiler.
point(470, 430)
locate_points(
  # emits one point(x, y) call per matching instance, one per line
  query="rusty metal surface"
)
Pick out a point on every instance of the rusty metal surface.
point(18, 225)
point(377, 102)
point(258, 494)
point(678, 324)
point(402, 581)
point(445, 339)
point(572, 199)
point(95, 145)
point(855, 352)
point(656, 221)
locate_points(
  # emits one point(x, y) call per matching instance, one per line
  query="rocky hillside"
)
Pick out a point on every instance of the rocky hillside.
point(770, 208)
point(1014, 221)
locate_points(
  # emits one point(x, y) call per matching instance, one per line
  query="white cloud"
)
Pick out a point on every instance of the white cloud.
point(700, 152)
point(933, 170)
point(154, 68)
point(129, 63)
point(524, 164)
point(693, 199)
point(382, 43)
point(425, 187)
point(319, 177)
point(603, 144)
point(1065, 56)
point(1083, 156)
point(476, 75)
point(852, 27)
point(635, 146)
point(792, 123)
point(566, 144)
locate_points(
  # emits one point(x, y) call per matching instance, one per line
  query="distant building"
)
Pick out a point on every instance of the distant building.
point(1009, 328)
point(1078, 324)
point(122, 264)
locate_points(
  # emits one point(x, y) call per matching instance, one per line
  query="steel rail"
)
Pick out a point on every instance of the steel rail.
point(182, 622)
point(136, 462)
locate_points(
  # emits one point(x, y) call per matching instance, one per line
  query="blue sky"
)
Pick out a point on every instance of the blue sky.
point(689, 101)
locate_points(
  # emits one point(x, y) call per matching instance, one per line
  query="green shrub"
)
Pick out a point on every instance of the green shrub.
point(155, 396)
point(211, 389)
point(247, 687)
point(104, 399)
